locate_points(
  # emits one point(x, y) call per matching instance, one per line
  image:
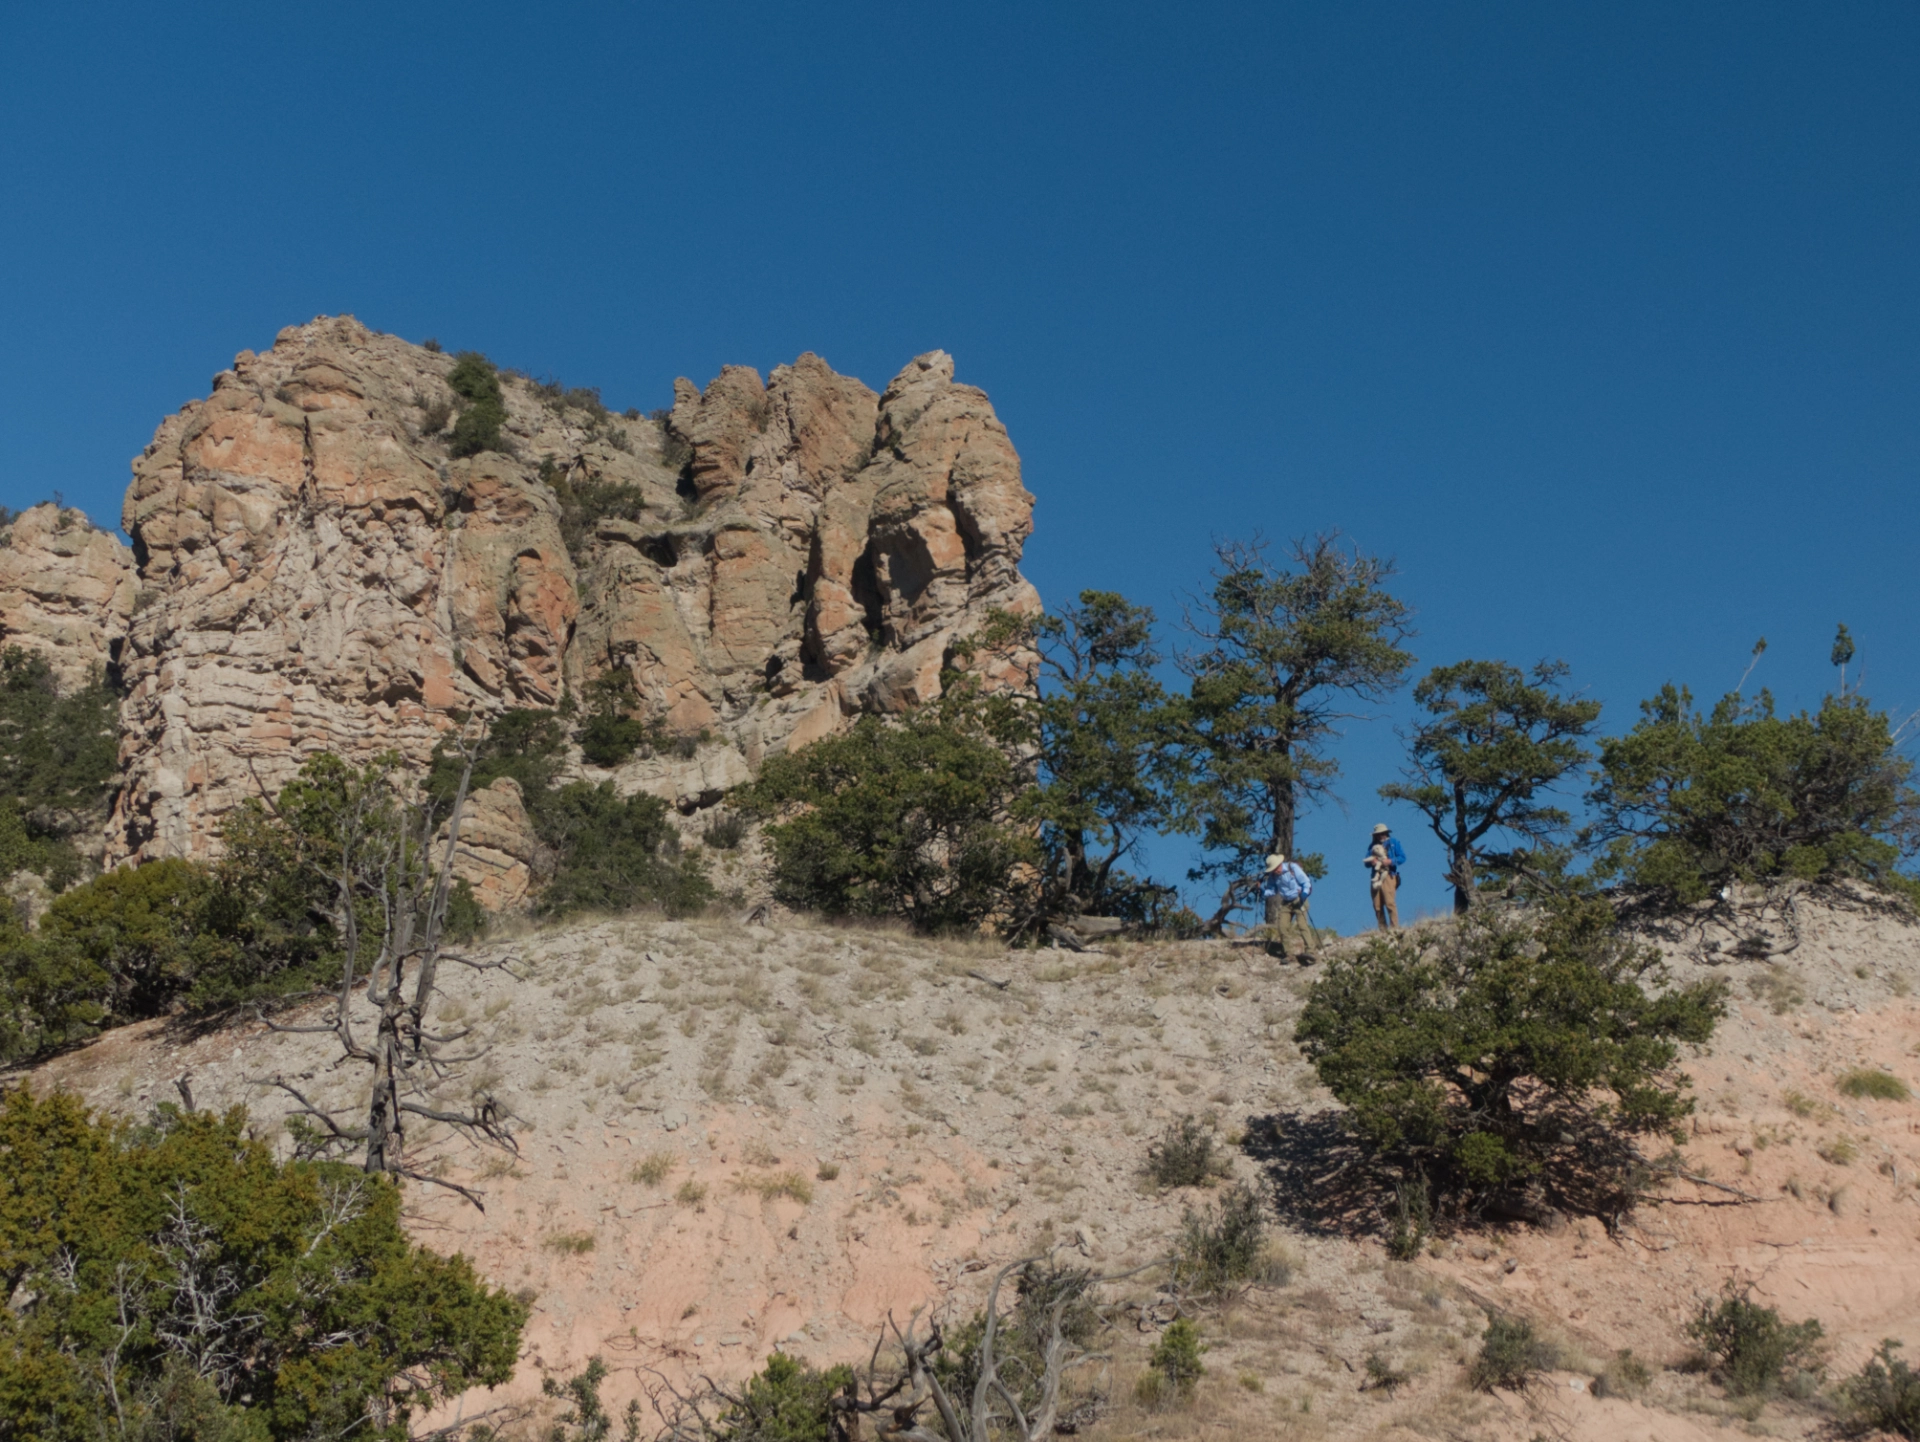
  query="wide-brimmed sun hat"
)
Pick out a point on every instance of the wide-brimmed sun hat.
point(1276, 861)
point(1382, 827)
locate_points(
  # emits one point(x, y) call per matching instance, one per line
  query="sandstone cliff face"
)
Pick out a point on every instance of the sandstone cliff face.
point(314, 573)
point(67, 592)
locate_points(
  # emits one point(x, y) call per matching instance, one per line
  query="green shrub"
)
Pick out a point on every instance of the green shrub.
point(1184, 1155)
point(788, 1401)
point(1884, 1396)
point(474, 379)
point(1751, 1349)
point(1688, 803)
point(909, 819)
point(1383, 1376)
point(175, 1276)
point(586, 1419)
point(725, 833)
point(1509, 1049)
point(1510, 1355)
point(1174, 1365)
point(1223, 1245)
point(1872, 1082)
point(1412, 1218)
point(586, 501)
point(59, 757)
point(617, 853)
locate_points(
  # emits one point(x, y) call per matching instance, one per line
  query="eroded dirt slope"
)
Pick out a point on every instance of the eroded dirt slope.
point(739, 1138)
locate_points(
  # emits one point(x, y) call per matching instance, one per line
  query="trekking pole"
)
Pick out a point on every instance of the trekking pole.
point(1306, 910)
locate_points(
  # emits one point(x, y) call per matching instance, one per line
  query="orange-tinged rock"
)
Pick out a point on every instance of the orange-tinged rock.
point(319, 575)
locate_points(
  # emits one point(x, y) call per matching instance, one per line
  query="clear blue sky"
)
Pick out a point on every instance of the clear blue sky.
point(1601, 319)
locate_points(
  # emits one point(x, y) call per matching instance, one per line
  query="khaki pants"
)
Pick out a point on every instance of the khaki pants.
point(1386, 909)
point(1287, 925)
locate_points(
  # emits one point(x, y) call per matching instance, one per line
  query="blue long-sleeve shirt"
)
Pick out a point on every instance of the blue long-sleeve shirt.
point(1289, 883)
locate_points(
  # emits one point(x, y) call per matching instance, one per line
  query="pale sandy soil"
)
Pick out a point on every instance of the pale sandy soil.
point(925, 1125)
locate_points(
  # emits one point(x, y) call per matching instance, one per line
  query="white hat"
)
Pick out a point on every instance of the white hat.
point(1276, 861)
point(1382, 827)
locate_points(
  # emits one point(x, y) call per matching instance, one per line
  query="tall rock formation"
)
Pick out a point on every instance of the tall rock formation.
point(314, 571)
point(67, 592)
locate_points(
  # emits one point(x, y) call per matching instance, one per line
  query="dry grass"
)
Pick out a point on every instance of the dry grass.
point(652, 1169)
point(790, 1185)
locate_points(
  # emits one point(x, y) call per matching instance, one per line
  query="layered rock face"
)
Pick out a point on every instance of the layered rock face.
point(67, 592)
point(312, 572)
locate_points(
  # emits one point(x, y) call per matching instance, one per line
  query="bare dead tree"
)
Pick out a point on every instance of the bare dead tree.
point(906, 1398)
point(389, 905)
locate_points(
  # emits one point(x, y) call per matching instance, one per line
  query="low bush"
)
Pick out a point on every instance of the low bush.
point(175, 1278)
point(1688, 803)
point(59, 756)
point(1184, 1156)
point(1752, 1351)
point(1884, 1396)
point(725, 833)
point(787, 1401)
point(909, 819)
point(1224, 1245)
point(617, 853)
point(586, 501)
point(1871, 1082)
point(605, 852)
point(585, 1419)
point(1174, 1366)
point(1412, 1218)
point(1510, 1355)
point(477, 383)
point(1510, 1051)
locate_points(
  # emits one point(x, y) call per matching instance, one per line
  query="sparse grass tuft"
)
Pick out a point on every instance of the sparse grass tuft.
point(1840, 1152)
point(828, 1172)
point(1805, 1107)
point(652, 1169)
point(791, 1185)
point(1625, 1376)
point(691, 1193)
point(574, 1243)
point(1872, 1082)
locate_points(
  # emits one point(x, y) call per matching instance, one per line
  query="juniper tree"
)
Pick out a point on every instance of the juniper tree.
point(1286, 651)
point(1494, 738)
point(1104, 744)
point(1688, 802)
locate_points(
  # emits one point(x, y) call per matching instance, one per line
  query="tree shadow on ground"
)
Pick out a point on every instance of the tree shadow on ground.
point(1323, 1179)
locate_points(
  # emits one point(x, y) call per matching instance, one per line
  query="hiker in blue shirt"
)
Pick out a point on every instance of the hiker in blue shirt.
point(1384, 859)
point(1285, 889)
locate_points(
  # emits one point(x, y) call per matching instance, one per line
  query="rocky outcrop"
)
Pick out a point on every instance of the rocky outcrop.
point(67, 592)
point(499, 855)
point(316, 572)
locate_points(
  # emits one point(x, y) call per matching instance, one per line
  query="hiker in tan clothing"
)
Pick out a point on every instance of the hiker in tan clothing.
point(1384, 886)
